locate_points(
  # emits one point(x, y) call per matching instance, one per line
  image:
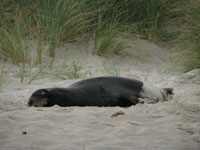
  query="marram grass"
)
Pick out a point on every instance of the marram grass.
point(111, 23)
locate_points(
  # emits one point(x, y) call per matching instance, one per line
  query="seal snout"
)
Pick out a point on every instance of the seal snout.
point(30, 102)
point(38, 102)
point(39, 98)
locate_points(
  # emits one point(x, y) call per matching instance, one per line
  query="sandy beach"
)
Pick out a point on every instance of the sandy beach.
point(171, 125)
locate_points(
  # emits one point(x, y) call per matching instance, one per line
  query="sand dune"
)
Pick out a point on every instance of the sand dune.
point(171, 125)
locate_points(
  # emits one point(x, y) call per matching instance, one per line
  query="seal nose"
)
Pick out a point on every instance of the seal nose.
point(30, 102)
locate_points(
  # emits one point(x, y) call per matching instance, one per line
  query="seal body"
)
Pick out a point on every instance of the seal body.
point(99, 91)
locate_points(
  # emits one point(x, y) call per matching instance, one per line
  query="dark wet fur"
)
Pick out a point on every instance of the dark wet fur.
point(100, 91)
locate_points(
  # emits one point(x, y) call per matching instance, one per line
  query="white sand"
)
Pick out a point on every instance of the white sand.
point(171, 125)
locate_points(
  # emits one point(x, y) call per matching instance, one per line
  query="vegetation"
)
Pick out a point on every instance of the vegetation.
point(111, 67)
point(2, 74)
point(110, 23)
point(189, 35)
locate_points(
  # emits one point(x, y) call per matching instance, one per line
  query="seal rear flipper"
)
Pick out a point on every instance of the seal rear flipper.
point(168, 91)
point(126, 101)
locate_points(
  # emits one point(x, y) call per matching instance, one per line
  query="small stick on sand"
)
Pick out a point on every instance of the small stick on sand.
point(117, 114)
point(24, 132)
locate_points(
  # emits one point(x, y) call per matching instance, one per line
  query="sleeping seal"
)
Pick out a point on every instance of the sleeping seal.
point(99, 91)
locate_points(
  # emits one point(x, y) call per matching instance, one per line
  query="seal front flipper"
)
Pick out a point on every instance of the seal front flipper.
point(126, 101)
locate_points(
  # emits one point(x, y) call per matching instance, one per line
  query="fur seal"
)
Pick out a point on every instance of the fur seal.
point(99, 91)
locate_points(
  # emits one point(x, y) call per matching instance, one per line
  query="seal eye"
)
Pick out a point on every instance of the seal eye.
point(43, 93)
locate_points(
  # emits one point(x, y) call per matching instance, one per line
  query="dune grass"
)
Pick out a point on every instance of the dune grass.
point(111, 67)
point(112, 24)
point(125, 20)
point(13, 44)
point(189, 37)
point(70, 70)
point(2, 75)
point(60, 21)
point(50, 22)
point(107, 40)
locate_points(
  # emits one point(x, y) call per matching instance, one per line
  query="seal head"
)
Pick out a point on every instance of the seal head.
point(40, 98)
